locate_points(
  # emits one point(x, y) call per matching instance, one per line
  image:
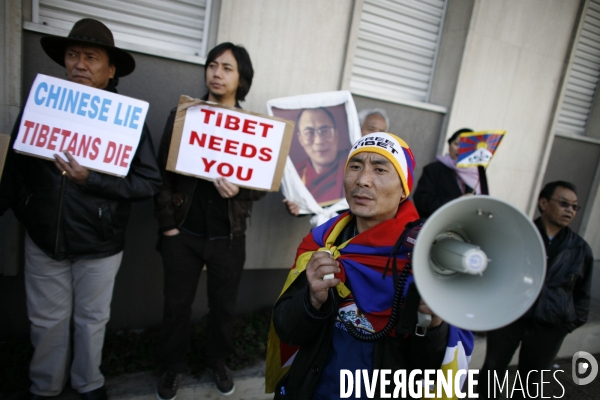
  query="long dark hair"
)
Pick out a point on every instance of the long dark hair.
point(245, 69)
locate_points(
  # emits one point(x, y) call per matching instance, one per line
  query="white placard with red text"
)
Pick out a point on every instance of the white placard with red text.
point(211, 141)
point(100, 129)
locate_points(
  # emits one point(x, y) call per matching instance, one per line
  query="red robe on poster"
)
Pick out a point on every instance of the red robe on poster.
point(328, 187)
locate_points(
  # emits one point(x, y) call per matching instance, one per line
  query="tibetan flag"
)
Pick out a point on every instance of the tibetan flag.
point(363, 260)
point(477, 148)
point(457, 357)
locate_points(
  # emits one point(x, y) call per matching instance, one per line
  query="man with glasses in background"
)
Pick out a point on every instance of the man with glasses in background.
point(75, 221)
point(563, 304)
point(323, 172)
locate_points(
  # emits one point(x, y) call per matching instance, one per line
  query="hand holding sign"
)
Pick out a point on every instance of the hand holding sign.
point(72, 169)
point(226, 189)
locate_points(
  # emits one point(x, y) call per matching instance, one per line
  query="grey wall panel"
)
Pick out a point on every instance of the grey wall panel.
point(273, 235)
point(451, 49)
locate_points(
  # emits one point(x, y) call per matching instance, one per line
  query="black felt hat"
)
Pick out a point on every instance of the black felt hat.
point(91, 32)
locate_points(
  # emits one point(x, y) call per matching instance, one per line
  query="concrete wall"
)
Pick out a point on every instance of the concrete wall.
point(499, 66)
point(449, 61)
point(273, 234)
point(10, 53)
point(290, 56)
point(137, 298)
point(287, 40)
point(10, 100)
point(296, 47)
point(511, 69)
point(300, 47)
point(420, 127)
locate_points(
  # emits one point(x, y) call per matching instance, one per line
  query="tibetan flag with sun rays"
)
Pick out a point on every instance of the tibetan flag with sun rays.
point(477, 148)
point(362, 260)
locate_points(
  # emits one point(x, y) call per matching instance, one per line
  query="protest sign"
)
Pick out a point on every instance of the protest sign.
point(4, 142)
point(211, 141)
point(100, 129)
point(327, 125)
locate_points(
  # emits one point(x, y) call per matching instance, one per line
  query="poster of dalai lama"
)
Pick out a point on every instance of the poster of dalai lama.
point(326, 125)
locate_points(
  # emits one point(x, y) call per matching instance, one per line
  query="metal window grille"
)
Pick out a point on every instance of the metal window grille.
point(161, 27)
point(582, 81)
point(396, 49)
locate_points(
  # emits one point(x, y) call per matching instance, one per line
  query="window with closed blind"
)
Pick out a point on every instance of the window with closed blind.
point(394, 49)
point(581, 84)
point(175, 29)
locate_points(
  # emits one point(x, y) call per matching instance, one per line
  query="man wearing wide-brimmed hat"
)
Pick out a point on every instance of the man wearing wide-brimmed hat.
point(75, 221)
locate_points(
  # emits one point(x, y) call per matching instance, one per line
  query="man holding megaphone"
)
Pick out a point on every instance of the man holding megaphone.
point(342, 298)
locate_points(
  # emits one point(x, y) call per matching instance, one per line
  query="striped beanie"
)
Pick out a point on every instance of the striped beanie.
point(394, 149)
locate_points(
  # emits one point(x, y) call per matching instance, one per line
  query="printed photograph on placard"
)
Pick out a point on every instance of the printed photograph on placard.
point(319, 149)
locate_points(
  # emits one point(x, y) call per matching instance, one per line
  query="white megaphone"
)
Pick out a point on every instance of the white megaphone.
point(479, 263)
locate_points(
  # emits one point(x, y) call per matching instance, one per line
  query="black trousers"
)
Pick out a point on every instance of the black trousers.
point(539, 347)
point(184, 256)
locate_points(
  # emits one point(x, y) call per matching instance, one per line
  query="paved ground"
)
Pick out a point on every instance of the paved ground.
point(250, 384)
point(250, 381)
point(141, 386)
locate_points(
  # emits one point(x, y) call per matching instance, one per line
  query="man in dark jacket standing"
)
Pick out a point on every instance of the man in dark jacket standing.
point(563, 304)
point(75, 221)
point(203, 222)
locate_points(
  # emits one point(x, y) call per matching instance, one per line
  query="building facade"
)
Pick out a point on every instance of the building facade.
point(528, 67)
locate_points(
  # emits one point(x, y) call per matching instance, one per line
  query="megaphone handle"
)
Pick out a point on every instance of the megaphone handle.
point(423, 322)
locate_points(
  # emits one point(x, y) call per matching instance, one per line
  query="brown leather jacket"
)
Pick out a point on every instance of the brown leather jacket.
point(175, 196)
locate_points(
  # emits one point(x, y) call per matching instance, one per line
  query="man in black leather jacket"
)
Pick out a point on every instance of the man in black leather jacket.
point(564, 302)
point(203, 223)
point(75, 221)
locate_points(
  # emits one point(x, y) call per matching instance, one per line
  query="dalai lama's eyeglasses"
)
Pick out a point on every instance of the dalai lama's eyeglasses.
point(565, 205)
point(325, 133)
